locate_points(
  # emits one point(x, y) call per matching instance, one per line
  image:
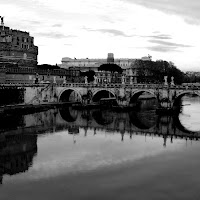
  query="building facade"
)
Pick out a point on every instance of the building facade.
point(93, 63)
point(27, 75)
point(85, 64)
point(17, 47)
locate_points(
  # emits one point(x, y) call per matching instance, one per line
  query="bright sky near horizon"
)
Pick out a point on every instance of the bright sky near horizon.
point(165, 29)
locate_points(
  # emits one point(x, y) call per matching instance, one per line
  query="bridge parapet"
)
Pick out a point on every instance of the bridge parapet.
point(153, 86)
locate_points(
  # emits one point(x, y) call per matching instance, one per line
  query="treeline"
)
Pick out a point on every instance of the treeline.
point(192, 78)
point(110, 67)
point(47, 66)
point(89, 74)
point(154, 71)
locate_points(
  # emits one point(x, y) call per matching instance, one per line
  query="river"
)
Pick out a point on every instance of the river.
point(92, 154)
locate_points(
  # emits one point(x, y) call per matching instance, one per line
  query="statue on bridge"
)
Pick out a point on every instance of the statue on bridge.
point(123, 79)
point(86, 82)
point(131, 80)
point(165, 79)
point(95, 79)
point(172, 81)
point(64, 80)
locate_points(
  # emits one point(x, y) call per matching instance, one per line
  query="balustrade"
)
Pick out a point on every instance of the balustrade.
point(101, 85)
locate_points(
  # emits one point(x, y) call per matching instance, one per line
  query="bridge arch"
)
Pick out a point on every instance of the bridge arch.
point(134, 96)
point(69, 95)
point(180, 95)
point(102, 93)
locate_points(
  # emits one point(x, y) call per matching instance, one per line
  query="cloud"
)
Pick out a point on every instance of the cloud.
point(189, 10)
point(160, 48)
point(57, 25)
point(172, 44)
point(30, 5)
point(159, 36)
point(110, 31)
point(107, 19)
point(33, 22)
point(54, 35)
point(68, 44)
point(163, 46)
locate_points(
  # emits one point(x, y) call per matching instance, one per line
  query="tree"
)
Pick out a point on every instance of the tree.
point(110, 67)
point(154, 72)
point(47, 66)
point(90, 75)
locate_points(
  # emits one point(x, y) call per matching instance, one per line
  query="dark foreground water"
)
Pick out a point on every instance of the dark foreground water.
point(69, 154)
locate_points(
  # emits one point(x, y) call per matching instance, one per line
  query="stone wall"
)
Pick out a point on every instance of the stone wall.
point(17, 47)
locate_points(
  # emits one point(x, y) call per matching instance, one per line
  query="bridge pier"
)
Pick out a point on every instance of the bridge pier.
point(166, 99)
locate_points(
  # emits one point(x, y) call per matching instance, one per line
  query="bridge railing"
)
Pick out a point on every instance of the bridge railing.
point(101, 85)
point(110, 85)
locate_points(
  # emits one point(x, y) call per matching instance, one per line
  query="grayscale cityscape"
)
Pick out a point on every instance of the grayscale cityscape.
point(99, 100)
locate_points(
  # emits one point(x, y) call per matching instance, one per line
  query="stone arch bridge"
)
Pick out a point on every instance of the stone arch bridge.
point(125, 95)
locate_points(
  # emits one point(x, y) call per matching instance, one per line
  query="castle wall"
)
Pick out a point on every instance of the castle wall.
point(17, 47)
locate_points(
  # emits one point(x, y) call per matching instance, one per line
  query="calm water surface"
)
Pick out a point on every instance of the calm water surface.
point(93, 154)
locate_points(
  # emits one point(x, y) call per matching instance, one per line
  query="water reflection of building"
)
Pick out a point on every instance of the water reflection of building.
point(16, 153)
point(10, 122)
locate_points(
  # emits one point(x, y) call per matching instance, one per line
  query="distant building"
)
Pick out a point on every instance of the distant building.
point(86, 64)
point(17, 47)
point(192, 73)
point(147, 58)
point(93, 63)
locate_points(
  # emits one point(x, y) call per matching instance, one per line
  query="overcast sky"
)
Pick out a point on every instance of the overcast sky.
point(165, 29)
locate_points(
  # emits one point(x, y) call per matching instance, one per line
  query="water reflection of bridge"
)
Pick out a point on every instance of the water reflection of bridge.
point(18, 145)
point(145, 122)
point(125, 122)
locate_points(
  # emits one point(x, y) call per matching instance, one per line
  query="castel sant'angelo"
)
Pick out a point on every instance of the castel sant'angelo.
point(17, 47)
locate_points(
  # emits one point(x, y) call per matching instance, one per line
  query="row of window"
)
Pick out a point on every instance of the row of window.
point(23, 39)
point(25, 46)
point(88, 64)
